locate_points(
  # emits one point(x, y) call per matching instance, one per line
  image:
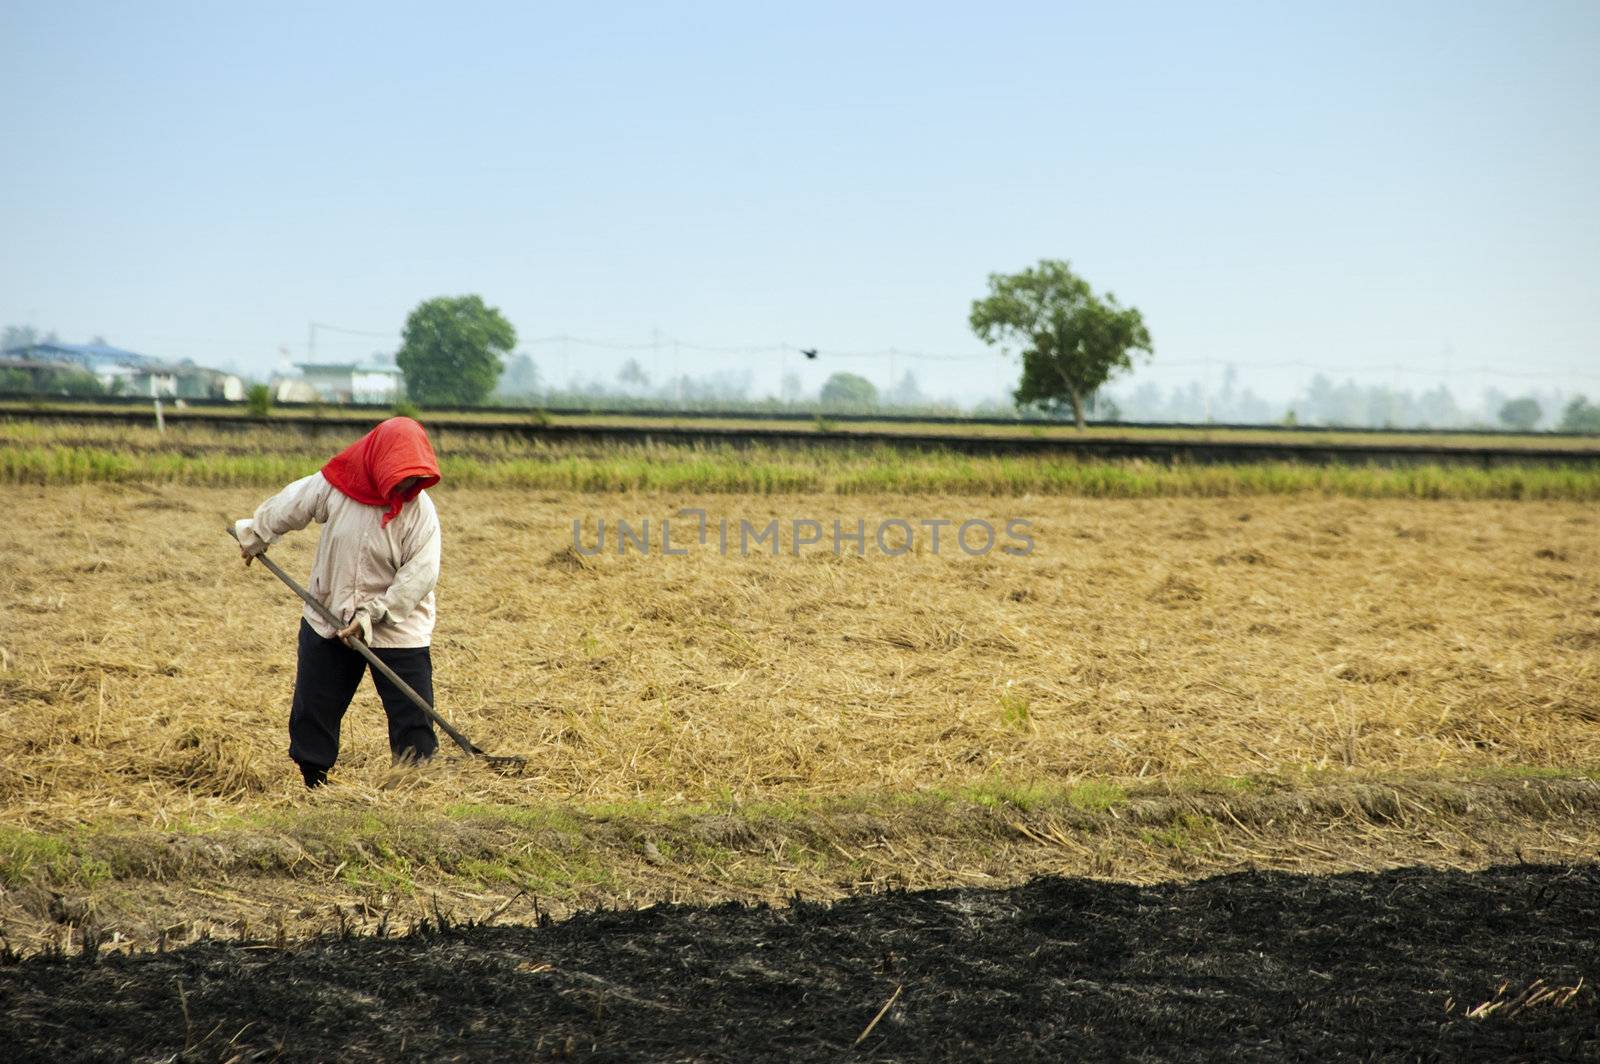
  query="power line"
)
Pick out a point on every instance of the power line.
point(565, 340)
point(355, 332)
point(890, 354)
point(1377, 367)
point(747, 349)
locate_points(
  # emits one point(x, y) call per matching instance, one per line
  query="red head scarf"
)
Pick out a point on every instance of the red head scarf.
point(370, 469)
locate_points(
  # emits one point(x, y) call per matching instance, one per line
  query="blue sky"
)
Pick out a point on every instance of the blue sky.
point(1355, 186)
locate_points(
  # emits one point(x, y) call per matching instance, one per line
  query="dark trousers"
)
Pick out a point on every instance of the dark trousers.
point(326, 679)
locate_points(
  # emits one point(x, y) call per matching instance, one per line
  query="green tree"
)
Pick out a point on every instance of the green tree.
point(15, 337)
point(75, 382)
point(1521, 414)
point(633, 376)
point(1581, 416)
point(452, 350)
point(847, 389)
point(907, 392)
point(1072, 341)
point(521, 377)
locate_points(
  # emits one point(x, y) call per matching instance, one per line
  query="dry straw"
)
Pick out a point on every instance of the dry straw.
point(146, 674)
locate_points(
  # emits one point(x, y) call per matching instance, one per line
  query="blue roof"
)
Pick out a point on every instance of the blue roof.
point(86, 355)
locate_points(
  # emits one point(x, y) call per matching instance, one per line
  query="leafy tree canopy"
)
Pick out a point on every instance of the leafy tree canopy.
point(452, 350)
point(848, 389)
point(1072, 341)
point(907, 392)
point(1581, 416)
point(1521, 414)
point(14, 336)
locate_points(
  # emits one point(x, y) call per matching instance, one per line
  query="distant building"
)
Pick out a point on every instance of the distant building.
point(292, 390)
point(184, 380)
point(128, 373)
point(91, 357)
point(352, 382)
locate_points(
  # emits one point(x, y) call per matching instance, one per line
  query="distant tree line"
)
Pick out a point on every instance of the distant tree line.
point(1352, 405)
point(1580, 415)
point(1072, 344)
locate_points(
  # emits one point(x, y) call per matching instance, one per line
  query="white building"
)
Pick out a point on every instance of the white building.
point(352, 382)
point(292, 390)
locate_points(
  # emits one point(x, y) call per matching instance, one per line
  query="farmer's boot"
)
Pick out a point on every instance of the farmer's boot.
point(314, 775)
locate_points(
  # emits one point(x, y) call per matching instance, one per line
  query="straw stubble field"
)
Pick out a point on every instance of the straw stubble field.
point(1163, 687)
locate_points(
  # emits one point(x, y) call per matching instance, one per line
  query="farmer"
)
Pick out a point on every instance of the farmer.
point(376, 566)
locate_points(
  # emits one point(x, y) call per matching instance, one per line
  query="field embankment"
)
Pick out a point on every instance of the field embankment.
point(300, 416)
point(264, 456)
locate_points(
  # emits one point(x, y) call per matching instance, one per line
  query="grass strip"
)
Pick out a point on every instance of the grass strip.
point(559, 848)
point(864, 471)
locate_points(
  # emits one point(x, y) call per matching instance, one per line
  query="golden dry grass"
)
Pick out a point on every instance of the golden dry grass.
point(147, 673)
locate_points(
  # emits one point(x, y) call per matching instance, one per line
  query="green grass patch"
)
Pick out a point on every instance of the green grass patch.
point(844, 471)
point(1096, 796)
point(1184, 832)
point(537, 817)
point(29, 856)
point(1087, 796)
point(1026, 795)
point(1014, 711)
point(564, 851)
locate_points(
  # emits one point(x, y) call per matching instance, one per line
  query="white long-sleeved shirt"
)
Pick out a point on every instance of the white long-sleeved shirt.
point(382, 576)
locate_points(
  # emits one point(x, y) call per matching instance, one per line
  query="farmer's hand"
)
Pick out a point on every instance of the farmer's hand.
point(249, 542)
point(360, 627)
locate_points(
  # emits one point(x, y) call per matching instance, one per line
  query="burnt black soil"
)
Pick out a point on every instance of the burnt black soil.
point(1260, 966)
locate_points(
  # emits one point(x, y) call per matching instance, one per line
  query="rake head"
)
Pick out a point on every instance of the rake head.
point(505, 764)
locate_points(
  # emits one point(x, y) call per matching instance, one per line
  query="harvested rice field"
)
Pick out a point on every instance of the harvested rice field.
point(1166, 686)
point(1280, 689)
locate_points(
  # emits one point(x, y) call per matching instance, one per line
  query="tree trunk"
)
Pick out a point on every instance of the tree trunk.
point(1077, 406)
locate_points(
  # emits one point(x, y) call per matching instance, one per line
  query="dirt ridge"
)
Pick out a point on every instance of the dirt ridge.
point(339, 866)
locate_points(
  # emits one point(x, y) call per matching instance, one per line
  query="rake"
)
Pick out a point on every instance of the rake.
point(498, 762)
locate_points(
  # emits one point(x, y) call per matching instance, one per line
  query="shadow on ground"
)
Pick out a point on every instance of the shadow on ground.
point(1406, 964)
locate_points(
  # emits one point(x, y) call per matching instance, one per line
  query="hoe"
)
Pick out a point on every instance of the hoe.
point(501, 763)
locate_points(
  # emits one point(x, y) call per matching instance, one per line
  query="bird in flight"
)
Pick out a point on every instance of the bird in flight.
point(809, 352)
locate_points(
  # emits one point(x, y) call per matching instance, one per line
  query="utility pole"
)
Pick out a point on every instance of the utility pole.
point(311, 341)
point(655, 357)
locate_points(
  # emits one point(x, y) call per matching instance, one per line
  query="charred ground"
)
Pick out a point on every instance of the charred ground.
point(1404, 964)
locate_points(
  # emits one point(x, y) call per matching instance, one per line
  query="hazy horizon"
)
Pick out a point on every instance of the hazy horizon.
point(1397, 196)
